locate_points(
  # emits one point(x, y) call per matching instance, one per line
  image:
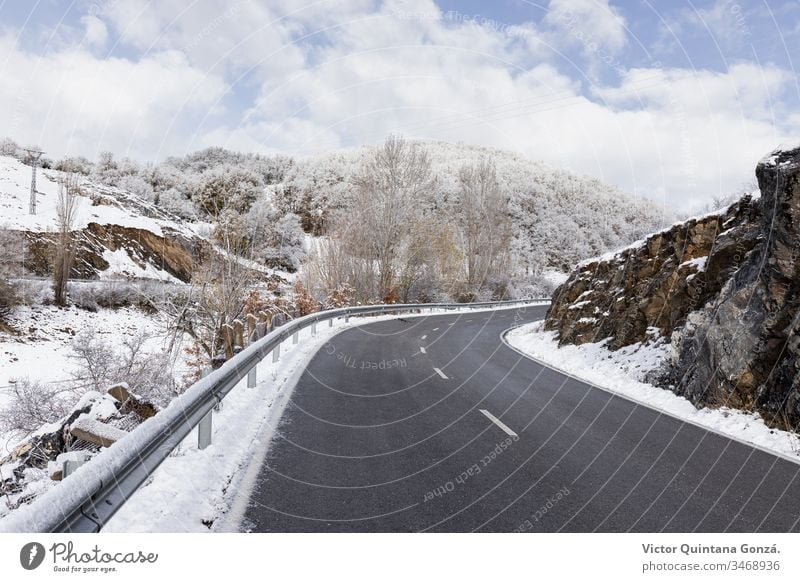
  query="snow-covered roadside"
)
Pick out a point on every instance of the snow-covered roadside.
point(43, 350)
point(194, 490)
point(623, 372)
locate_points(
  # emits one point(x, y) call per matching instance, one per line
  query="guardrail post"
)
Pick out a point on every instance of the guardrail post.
point(251, 376)
point(204, 426)
point(295, 337)
point(314, 328)
point(347, 318)
point(276, 353)
point(330, 322)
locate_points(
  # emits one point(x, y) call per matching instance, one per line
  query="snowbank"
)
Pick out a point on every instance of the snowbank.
point(624, 371)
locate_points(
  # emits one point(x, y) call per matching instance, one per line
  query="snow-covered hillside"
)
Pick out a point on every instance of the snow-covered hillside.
point(97, 203)
point(558, 217)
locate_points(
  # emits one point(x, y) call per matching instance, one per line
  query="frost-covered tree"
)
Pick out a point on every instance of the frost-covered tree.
point(387, 192)
point(227, 187)
point(483, 222)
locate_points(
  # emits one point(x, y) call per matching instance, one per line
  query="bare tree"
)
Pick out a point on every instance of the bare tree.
point(11, 247)
point(388, 191)
point(484, 222)
point(216, 298)
point(66, 213)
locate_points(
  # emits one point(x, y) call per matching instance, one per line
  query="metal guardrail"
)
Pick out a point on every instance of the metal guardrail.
point(91, 496)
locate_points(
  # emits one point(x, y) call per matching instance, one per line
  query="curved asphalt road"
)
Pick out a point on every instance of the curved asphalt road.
point(376, 439)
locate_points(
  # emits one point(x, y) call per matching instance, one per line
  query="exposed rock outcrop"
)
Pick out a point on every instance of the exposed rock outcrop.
point(654, 284)
point(725, 288)
point(172, 253)
point(743, 349)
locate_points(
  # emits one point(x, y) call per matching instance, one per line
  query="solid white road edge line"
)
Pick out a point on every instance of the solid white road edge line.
point(644, 404)
point(438, 371)
point(498, 422)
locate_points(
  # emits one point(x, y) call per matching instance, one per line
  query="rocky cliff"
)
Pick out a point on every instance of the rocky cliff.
point(743, 349)
point(653, 285)
point(725, 288)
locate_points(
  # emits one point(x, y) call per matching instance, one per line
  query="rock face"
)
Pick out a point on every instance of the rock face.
point(172, 253)
point(743, 349)
point(724, 288)
point(655, 284)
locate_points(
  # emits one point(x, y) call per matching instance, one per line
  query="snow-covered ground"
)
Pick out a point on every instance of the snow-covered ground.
point(43, 351)
point(15, 188)
point(194, 488)
point(624, 372)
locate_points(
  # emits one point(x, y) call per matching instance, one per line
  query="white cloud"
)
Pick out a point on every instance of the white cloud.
point(346, 73)
point(96, 33)
point(69, 101)
point(727, 21)
point(594, 23)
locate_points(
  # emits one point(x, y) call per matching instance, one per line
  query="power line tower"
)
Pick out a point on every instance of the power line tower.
point(34, 155)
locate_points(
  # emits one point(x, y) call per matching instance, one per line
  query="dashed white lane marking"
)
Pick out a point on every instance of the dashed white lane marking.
point(468, 320)
point(442, 374)
point(498, 422)
point(422, 349)
point(435, 328)
point(451, 324)
point(423, 337)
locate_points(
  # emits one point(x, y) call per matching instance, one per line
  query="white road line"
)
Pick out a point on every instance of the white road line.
point(423, 337)
point(451, 324)
point(468, 320)
point(438, 371)
point(498, 422)
point(435, 328)
point(422, 349)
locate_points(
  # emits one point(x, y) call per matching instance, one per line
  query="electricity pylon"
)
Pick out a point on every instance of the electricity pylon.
point(34, 155)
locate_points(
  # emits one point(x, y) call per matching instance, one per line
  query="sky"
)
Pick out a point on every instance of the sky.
point(674, 101)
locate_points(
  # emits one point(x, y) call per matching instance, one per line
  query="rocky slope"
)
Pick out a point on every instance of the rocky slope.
point(654, 284)
point(120, 251)
point(725, 288)
point(743, 349)
point(117, 234)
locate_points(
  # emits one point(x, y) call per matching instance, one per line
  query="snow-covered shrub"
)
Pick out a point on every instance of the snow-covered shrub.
point(276, 240)
point(32, 404)
point(75, 165)
point(176, 202)
point(138, 186)
point(147, 372)
point(9, 297)
point(227, 187)
point(8, 147)
point(92, 295)
point(35, 292)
